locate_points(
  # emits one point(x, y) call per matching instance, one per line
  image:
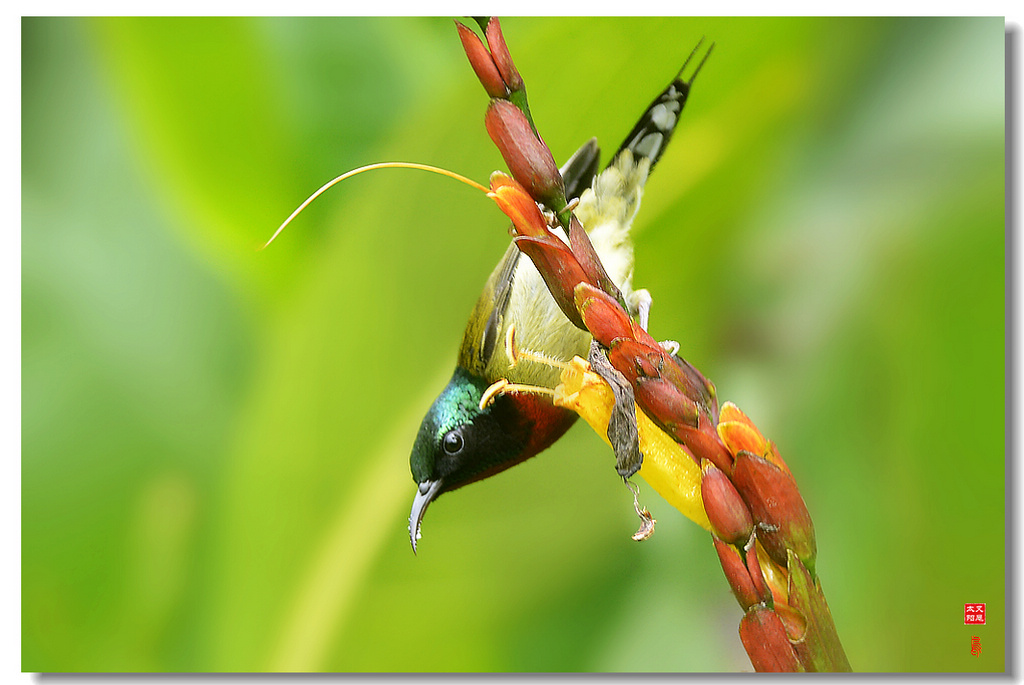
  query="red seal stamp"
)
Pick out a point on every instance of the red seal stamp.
point(974, 614)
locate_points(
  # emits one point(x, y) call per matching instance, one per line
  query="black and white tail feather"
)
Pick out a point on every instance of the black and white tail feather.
point(607, 210)
point(651, 134)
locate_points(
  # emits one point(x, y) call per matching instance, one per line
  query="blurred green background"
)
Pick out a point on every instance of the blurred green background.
point(215, 439)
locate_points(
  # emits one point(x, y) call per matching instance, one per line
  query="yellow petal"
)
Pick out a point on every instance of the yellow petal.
point(667, 466)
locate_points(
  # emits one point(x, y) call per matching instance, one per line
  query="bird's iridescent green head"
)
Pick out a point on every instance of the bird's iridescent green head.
point(437, 452)
point(458, 443)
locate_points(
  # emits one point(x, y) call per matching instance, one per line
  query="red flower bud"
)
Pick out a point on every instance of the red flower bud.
point(754, 568)
point(764, 637)
point(636, 359)
point(516, 203)
point(730, 519)
point(775, 501)
point(605, 319)
point(527, 157)
point(672, 410)
point(704, 443)
point(552, 257)
point(738, 432)
point(687, 378)
point(736, 573)
point(663, 401)
point(482, 62)
point(671, 395)
point(501, 55)
point(741, 436)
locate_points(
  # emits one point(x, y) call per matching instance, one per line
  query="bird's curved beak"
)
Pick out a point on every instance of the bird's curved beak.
point(426, 492)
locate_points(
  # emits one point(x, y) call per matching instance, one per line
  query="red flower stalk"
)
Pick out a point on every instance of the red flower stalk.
point(747, 497)
point(750, 497)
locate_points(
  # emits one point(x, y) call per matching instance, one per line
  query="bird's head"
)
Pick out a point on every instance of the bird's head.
point(459, 443)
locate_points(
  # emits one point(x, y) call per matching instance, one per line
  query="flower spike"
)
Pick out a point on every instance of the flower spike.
point(711, 463)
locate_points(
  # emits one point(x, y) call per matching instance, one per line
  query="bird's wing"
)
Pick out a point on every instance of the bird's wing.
point(484, 333)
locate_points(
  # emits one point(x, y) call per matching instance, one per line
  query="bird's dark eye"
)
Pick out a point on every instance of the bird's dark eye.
point(453, 442)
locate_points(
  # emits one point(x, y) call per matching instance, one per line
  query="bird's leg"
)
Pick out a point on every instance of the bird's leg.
point(640, 301)
point(503, 387)
point(515, 353)
point(552, 217)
